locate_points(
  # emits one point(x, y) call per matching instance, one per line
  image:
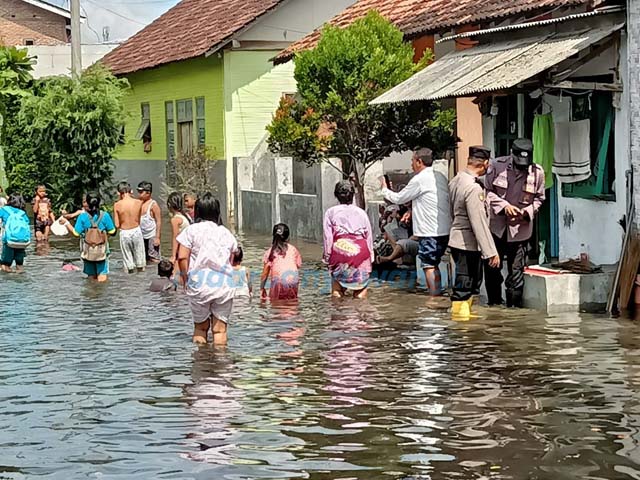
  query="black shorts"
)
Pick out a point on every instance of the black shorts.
point(40, 226)
point(431, 250)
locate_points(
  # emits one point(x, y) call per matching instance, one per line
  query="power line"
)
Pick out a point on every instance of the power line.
point(115, 13)
point(89, 25)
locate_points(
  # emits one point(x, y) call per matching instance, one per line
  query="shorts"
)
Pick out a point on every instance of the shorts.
point(133, 249)
point(10, 255)
point(431, 250)
point(95, 269)
point(151, 251)
point(219, 308)
point(41, 226)
point(409, 250)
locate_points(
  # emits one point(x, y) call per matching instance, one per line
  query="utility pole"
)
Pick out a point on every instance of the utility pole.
point(76, 44)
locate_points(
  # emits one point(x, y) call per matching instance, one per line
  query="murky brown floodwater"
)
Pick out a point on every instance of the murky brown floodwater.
point(103, 382)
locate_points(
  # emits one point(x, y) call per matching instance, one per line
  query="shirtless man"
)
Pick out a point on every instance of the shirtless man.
point(127, 212)
point(150, 222)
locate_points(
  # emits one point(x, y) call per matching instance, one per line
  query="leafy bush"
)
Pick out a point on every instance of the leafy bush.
point(15, 80)
point(68, 130)
point(333, 117)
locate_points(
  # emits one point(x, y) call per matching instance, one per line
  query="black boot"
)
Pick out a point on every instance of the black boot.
point(514, 299)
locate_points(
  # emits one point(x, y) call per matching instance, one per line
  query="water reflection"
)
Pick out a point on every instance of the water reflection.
point(102, 381)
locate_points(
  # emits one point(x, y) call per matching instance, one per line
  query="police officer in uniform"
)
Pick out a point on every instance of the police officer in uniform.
point(515, 191)
point(470, 240)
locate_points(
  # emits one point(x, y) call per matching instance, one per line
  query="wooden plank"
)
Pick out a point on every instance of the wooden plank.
point(568, 85)
point(630, 264)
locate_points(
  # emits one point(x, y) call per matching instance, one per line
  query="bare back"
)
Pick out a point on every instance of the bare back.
point(128, 212)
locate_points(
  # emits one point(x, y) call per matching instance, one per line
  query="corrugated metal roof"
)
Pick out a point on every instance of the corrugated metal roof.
point(493, 66)
point(539, 23)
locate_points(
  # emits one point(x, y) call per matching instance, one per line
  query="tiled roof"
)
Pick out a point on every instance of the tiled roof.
point(414, 17)
point(188, 30)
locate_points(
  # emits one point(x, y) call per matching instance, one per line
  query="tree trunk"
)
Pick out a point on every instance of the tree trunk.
point(358, 181)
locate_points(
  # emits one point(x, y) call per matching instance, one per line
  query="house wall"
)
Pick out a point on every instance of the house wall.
point(200, 77)
point(20, 21)
point(294, 20)
point(594, 223)
point(253, 87)
point(469, 118)
point(56, 59)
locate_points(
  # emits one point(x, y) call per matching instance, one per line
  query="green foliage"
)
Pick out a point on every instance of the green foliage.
point(65, 133)
point(337, 80)
point(15, 71)
point(15, 78)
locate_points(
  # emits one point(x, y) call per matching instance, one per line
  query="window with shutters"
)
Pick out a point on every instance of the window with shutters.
point(200, 122)
point(144, 130)
point(171, 140)
point(185, 126)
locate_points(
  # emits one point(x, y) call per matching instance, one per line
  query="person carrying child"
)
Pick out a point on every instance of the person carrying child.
point(281, 264)
point(43, 213)
point(164, 283)
point(204, 256)
point(16, 235)
point(94, 226)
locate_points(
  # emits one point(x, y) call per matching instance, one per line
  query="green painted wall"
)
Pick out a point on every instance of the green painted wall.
point(200, 77)
point(253, 88)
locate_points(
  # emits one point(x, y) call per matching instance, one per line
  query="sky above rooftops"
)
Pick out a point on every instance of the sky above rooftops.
point(122, 18)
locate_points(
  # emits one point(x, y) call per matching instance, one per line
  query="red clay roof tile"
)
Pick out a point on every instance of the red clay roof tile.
point(188, 30)
point(414, 17)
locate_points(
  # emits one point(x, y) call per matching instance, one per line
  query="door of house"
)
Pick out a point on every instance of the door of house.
point(514, 119)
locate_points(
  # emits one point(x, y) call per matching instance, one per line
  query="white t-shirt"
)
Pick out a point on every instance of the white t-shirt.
point(428, 192)
point(210, 270)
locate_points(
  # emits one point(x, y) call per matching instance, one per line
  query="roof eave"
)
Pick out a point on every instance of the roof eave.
point(51, 8)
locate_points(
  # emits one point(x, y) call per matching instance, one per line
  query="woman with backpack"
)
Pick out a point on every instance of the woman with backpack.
point(16, 234)
point(94, 226)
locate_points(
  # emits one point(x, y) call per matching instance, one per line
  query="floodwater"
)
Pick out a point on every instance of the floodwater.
point(102, 381)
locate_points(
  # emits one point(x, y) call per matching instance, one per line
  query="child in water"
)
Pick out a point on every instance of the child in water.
point(204, 257)
point(16, 234)
point(43, 212)
point(281, 264)
point(190, 206)
point(241, 276)
point(69, 266)
point(163, 283)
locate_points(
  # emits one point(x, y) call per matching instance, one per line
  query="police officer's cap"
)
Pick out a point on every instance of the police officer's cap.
point(522, 147)
point(483, 153)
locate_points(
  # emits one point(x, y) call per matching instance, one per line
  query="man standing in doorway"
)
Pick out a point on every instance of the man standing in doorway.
point(515, 191)
point(150, 222)
point(428, 192)
point(470, 241)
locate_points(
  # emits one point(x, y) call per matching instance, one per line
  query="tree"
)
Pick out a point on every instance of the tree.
point(336, 81)
point(15, 78)
point(66, 133)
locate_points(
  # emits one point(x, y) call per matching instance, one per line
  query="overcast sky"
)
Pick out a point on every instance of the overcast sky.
point(122, 17)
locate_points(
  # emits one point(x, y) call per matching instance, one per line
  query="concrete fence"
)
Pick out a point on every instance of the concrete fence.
point(272, 189)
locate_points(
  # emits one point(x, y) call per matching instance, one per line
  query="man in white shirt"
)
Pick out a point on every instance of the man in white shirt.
point(428, 192)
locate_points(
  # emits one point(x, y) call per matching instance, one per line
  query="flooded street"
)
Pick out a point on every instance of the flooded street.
point(102, 381)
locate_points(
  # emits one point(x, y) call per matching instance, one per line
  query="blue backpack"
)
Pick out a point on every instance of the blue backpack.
point(17, 232)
